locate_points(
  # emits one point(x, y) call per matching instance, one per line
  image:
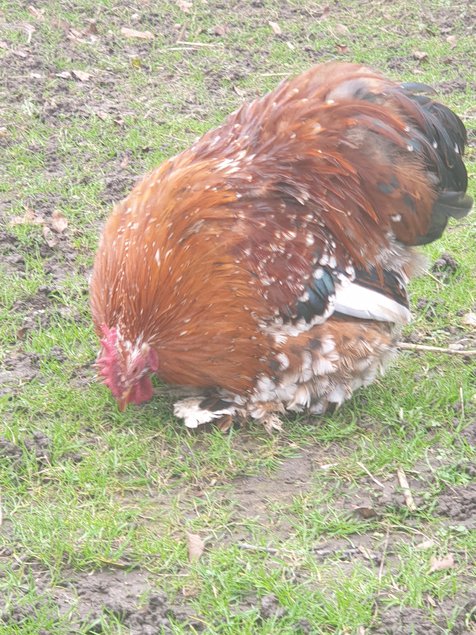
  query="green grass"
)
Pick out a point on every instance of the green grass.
point(119, 491)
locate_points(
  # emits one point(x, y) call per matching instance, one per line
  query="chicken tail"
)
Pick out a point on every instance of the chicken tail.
point(442, 143)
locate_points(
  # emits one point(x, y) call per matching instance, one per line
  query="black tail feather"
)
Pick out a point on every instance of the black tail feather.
point(444, 141)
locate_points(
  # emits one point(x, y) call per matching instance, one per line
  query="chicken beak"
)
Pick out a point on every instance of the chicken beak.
point(123, 400)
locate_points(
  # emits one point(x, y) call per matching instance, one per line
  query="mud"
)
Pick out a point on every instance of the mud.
point(412, 621)
point(459, 504)
point(101, 599)
point(37, 444)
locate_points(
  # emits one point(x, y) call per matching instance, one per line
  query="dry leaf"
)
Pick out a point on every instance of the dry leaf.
point(452, 41)
point(30, 29)
point(184, 5)
point(365, 512)
point(290, 46)
point(220, 30)
point(92, 28)
point(125, 162)
point(3, 44)
point(195, 547)
point(64, 75)
point(37, 13)
point(58, 222)
point(421, 56)
point(431, 601)
point(60, 24)
point(469, 319)
point(81, 75)
point(342, 48)
point(133, 33)
point(341, 29)
point(275, 27)
point(74, 34)
point(136, 62)
point(426, 544)
point(328, 466)
point(22, 331)
point(49, 237)
point(366, 552)
point(239, 91)
point(440, 564)
point(29, 218)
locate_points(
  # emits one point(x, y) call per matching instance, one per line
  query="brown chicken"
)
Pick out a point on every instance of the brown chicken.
point(267, 265)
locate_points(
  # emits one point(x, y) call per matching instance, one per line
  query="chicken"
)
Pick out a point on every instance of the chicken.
point(265, 268)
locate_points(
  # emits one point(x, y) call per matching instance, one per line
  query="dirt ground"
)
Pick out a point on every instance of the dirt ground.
point(88, 596)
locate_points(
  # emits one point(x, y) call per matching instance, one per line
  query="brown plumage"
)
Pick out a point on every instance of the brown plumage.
point(267, 264)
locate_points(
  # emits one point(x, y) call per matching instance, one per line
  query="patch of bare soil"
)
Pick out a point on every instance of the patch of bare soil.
point(411, 621)
point(37, 309)
point(254, 494)
point(12, 260)
point(92, 598)
point(117, 184)
point(37, 443)
point(469, 434)
point(10, 452)
point(445, 267)
point(459, 504)
point(18, 369)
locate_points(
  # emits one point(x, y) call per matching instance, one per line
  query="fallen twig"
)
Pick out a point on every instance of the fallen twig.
point(407, 346)
point(272, 550)
point(323, 553)
point(197, 44)
point(374, 479)
point(274, 74)
point(402, 479)
point(384, 553)
point(437, 280)
point(461, 398)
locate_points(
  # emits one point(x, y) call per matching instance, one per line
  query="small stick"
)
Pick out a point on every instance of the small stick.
point(402, 479)
point(180, 35)
point(178, 48)
point(384, 553)
point(318, 552)
point(274, 74)
point(272, 550)
point(407, 346)
point(430, 275)
point(186, 43)
point(461, 398)
point(375, 480)
point(248, 547)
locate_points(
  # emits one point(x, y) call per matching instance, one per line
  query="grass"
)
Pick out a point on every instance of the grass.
point(112, 491)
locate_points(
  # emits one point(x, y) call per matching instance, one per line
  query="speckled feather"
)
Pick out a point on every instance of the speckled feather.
point(294, 218)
